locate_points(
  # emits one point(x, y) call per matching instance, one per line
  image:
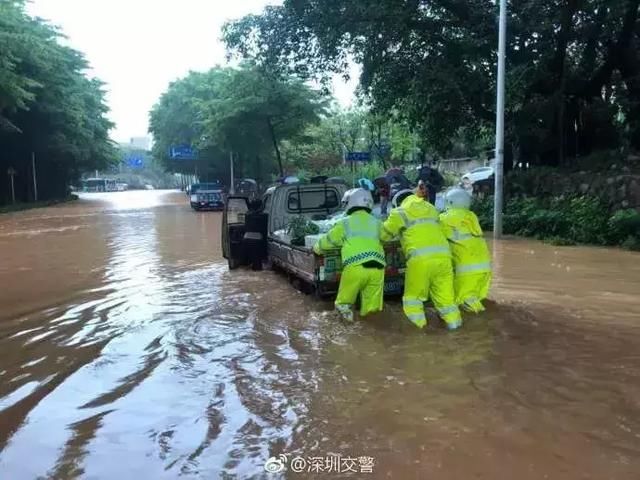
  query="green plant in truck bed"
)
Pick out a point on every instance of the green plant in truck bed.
point(299, 227)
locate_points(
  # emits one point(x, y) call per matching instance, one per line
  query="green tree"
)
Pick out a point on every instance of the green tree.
point(255, 109)
point(573, 66)
point(48, 108)
point(322, 146)
point(177, 119)
point(245, 111)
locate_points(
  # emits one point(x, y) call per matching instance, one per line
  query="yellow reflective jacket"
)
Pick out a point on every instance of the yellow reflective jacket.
point(469, 248)
point(416, 223)
point(357, 236)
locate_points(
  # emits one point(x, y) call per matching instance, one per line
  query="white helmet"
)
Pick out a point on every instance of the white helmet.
point(399, 197)
point(357, 198)
point(345, 197)
point(457, 197)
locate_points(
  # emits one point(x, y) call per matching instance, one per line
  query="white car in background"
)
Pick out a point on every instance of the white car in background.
point(477, 174)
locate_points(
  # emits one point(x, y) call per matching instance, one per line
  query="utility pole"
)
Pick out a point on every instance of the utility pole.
point(11, 172)
point(35, 181)
point(499, 160)
point(232, 188)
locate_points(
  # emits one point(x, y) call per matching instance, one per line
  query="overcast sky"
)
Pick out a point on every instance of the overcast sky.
point(138, 46)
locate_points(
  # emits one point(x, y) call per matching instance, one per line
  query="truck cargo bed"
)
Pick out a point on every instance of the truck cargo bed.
point(323, 272)
point(297, 260)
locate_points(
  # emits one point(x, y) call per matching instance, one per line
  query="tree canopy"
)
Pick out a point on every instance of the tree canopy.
point(389, 140)
point(244, 110)
point(573, 67)
point(49, 108)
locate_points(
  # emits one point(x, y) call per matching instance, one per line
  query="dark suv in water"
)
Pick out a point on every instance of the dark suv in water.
point(207, 196)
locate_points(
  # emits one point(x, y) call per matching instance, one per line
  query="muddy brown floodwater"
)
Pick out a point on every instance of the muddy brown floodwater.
point(128, 350)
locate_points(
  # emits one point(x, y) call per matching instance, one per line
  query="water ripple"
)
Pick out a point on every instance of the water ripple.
point(141, 355)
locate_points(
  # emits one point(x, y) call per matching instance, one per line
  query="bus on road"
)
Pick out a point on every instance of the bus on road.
point(99, 185)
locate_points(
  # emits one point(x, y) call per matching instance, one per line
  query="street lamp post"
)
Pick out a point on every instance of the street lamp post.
point(232, 188)
point(499, 160)
point(12, 173)
point(35, 181)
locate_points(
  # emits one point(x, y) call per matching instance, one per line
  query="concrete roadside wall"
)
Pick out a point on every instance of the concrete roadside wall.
point(618, 187)
point(459, 165)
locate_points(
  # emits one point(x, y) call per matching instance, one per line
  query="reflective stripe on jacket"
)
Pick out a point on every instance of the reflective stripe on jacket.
point(358, 237)
point(416, 223)
point(468, 246)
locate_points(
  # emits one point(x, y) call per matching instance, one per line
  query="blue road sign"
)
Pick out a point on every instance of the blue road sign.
point(182, 152)
point(358, 156)
point(134, 161)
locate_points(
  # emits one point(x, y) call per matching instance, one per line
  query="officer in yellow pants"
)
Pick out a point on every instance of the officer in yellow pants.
point(363, 259)
point(429, 272)
point(471, 259)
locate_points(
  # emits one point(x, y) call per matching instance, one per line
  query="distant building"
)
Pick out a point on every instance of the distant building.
point(142, 143)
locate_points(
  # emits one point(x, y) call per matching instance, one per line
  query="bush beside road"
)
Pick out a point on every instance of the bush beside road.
point(18, 207)
point(564, 220)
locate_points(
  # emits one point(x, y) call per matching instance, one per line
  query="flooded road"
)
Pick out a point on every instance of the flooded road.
point(128, 350)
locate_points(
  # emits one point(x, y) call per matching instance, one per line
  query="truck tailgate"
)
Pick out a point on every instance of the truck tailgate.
point(299, 261)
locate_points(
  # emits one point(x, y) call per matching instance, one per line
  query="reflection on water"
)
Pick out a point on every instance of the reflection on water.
point(127, 348)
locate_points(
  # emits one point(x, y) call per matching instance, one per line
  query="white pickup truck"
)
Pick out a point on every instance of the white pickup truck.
point(316, 202)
